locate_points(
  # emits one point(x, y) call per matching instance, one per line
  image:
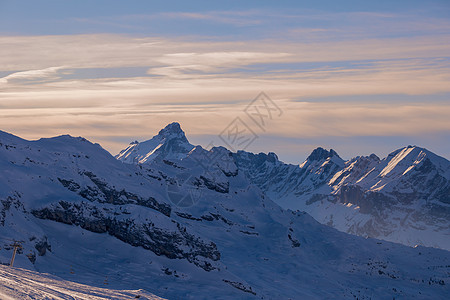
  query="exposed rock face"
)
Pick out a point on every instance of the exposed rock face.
point(42, 246)
point(172, 242)
point(8, 203)
point(103, 193)
point(271, 174)
point(319, 154)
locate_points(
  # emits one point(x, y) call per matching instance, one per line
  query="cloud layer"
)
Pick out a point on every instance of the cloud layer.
point(117, 87)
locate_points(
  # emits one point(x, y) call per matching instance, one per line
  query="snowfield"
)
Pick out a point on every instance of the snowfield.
point(17, 283)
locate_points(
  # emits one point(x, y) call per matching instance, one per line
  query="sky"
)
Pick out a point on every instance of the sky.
point(360, 77)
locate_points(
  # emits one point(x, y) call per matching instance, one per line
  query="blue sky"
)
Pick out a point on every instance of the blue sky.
point(241, 19)
point(355, 76)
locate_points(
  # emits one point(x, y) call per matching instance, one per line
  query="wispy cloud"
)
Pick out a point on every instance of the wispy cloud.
point(33, 76)
point(103, 51)
point(184, 75)
point(183, 64)
point(301, 120)
point(202, 65)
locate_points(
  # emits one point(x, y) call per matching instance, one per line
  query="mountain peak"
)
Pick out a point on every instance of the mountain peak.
point(321, 153)
point(172, 130)
point(171, 142)
point(374, 157)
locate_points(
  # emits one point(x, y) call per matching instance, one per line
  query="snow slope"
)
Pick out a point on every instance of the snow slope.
point(190, 228)
point(16, 283)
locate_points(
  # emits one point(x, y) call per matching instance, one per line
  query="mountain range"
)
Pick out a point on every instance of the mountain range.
point(181, 221)
point(403, 198)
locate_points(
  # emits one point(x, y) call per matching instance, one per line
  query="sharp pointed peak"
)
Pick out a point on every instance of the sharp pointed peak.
point(170, 142)
point(173, 128)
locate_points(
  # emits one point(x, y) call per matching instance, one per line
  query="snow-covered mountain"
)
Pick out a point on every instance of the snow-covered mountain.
point(404, 197)
point(170, 143)
point(192, 226)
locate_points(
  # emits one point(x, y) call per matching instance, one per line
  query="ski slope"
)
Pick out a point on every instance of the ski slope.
point(17, 283)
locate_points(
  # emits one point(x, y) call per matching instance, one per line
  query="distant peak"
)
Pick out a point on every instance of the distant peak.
point(170, 143)
point(272, 157)
point(408, 148)
point(374, 157)
point(173, 129)
point(320, 153)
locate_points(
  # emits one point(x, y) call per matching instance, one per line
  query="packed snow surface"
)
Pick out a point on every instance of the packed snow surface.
point(17, 283)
